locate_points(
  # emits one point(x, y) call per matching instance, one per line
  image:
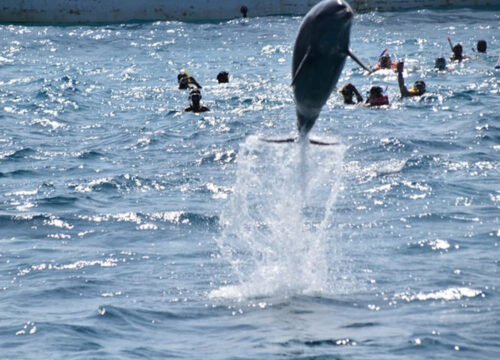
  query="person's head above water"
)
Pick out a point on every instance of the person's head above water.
point(375, 91)
point(348, 91)
point(481, 46)
point(440, 63)
point(244, 11)
point(183, 82)
point(223, 77)
point(418, 88)
point(385, 61)
point(194, 102)
point(457, 52)
point(194, 98)
point(376, 97)
point(181, 74)
point(183, 79)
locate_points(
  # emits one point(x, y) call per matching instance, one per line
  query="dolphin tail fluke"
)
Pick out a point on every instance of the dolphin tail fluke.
point(323, 143)
point(359, 62)
point(295, 139)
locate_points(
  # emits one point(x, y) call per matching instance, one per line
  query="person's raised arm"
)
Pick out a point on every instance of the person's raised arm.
point(359, 98)
point(401, 81)
point(193, 81)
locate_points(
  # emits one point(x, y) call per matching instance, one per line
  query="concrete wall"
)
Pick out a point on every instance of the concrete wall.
point(393, 5)
point(105, 11)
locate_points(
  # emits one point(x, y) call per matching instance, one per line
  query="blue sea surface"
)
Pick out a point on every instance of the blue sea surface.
point(130, 229)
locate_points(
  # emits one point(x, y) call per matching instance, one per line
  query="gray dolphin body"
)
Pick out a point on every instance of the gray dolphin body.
point(320, 51)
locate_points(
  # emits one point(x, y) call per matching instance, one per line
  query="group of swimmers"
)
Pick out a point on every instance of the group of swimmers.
point(376, 96)
point(187, 82)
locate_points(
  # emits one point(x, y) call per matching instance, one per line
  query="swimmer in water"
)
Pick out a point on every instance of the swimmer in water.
point(186, 81)
point(481, 46)
point(376, 97)
point(244, 11)
point(223, 77)
point(417, 89)
point(348, 91)
point(194, 102)
point(440, 64)
point(457, 53)
point(384, 62)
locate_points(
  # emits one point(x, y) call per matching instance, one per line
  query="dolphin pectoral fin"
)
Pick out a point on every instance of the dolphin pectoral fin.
point(302, 62)
point(359, 62)
point(280, 141)
point(323, 143)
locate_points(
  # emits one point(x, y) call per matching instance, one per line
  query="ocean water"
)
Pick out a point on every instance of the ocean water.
point(132, 230)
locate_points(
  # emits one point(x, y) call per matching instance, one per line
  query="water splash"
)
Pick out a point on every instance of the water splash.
point(277, 226)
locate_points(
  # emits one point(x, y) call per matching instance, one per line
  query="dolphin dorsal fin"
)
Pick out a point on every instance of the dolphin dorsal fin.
point(302, 62)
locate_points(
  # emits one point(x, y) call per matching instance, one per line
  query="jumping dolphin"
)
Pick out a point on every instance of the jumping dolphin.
point(321, 47)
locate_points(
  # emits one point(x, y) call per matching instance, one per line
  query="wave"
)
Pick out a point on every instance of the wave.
point(80, 264)
point(19, 174)
point(29, 219)
point(431, 245)
point(19, 154)
point(319, 343)
point(451, 217)
point(138, 317)
point(58, 200)
point(89, 155)
point(124, 183)
point(450, 294)
point(173, 217)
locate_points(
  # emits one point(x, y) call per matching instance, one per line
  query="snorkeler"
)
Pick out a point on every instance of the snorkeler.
point(348, 91)
point(440, 63)
point(244, 11)
point(223, 77)
point(384, 61)
point(194, 102)
point(481, 46)
point(417, 89)
point(457, 53)
point(376, 97)
point(186, 81)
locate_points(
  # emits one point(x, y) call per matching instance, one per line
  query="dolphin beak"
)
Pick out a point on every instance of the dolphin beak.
point(359, 62)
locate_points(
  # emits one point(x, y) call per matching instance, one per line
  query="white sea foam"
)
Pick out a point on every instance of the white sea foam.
point(109, 262)
point(53, 221)
point(437, 244)
point(219, 192)
point(88, 187)
point(455, 293)
point(175, 217)
point(147, 226)
point(48, 123)
point(371, 171)
point(277, 223)
point(22, 192)
point(390, 166)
